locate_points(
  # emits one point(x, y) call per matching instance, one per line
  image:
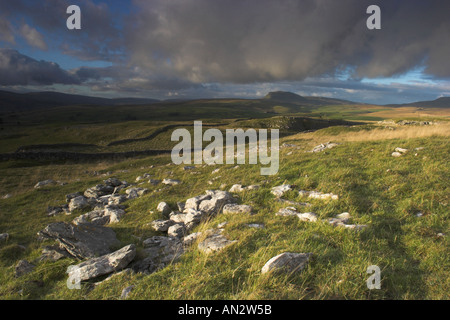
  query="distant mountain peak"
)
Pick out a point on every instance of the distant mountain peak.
point(284, 96)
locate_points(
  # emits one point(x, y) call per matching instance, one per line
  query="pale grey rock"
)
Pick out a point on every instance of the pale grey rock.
point(45, 183)
point(191, 238)
point(70, 196)
point(236, 188)
point(318, 195)
point(256, 225)
point(279, 191)
point(177, 230)
point(154, 182)
point(218, 200)
point(232, 208)
point(82, 241)
point(103, 265)
point(134, 193)
point(171, 182)
point(177, 217)
point(98, 191)
point(113, 182)
point(78, 203)
point(396, 154)
point(164, 208)
point(214, 242)
point(7, 196)
point(401, 150)
point(307, 216)
point(193, 203)
point(287, 212)
point(162, 225)
point(53, 253)
point(125, 292)
point(324, 146)
point(287, 262)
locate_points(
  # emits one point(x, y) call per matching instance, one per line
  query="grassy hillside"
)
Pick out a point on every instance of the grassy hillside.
point(403, 201)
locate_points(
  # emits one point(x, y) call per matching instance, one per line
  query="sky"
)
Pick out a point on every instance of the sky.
point(188, 49)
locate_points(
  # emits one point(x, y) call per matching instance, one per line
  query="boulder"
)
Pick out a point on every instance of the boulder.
point(77, 203)
point(82, 241)
point(218, 200)
point(232, 208)
point(105, 264)
point(164, 208)
point(177, 230)
point(112, 182)
point(287, 262)
point(98, 191)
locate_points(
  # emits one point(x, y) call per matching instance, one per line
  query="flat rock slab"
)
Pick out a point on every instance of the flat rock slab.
point(214, 242)
point(279, 191)
point(287, 262)
point(237, 208)
point(105, 264)
point(83, 241)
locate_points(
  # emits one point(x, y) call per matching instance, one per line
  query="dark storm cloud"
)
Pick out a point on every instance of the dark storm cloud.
point(18, 69)
point(245, 41)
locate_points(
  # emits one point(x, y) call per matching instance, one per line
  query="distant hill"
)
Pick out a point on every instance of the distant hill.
point(11, 101)
point(443, 102)
point(289, 97)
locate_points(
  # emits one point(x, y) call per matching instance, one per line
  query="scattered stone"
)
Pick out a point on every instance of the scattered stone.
point(22, 268)
point(103, 265)
point(214, 242)
point(186, 168)
point(171, 182)
point(218, 200)
point(126, 292)
point(159, 252)
point(53, 253)
point(77, 203)
point(287, 262)
point(308, 216)
point(279, 191)
point(134, 193)
point(318, 195)
point(287, 212)
point(237, 188)
point(113, 182)
point(401, 150)
point(164, 208)
point(222, 225)
point(190, 239)
point(324, 146)
point(215, 171)
point(396, 154)
point(342, 220)
point(45, 183)
point(293, 203)
point(70, 196)
point(237, 208)
point(162, 225)
point(4, 237)
point(154, 182)
point(98, 191)
point(7, 196)
point(177, 230)
point(177, 217)
point(256, 225)
point(193, 203)
point(81, 241)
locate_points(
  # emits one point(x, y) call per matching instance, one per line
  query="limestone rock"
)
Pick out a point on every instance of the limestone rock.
point(177, 230)
point(162, 225)
point(214, 242)
point(98, 191)
point(308, 216)
point(164, 208)
point(279, 191)
point(78, 203)
point(105, 264)
point(287, 212)
point(171, 182)
point(287, 262)
point(45, 183)
point(82, 241)
point(4, 237)
point(193, 203)
point(232, 208)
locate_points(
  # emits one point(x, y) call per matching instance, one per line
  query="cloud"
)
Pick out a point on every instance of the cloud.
point(33, 37)
point(18, 69)
point(247, 41)
point(6, 31)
